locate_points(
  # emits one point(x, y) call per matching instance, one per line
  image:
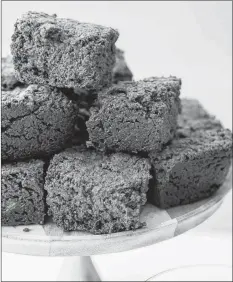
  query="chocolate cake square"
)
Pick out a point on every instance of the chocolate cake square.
point(191, 168)
point(63, 52)
point(37, 121)
point(91, 191)
point(136, 116)
point(22, 187)
point(194, 118)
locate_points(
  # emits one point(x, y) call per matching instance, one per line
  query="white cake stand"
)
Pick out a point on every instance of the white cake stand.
point(49, 240)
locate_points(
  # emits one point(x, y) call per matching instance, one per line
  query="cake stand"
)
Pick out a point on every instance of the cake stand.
point(49, 240)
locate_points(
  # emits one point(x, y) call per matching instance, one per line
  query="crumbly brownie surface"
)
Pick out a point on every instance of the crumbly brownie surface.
point(63, 52)
point(36, 121)
point(191, 168)
point(194, 117)
point(22, 186)
point(121, 71)
point(136, 116)
point(9, 80)
point(90, 191)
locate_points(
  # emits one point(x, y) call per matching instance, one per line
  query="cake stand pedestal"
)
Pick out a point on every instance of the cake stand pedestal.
point(78, 269)
point(49, 240)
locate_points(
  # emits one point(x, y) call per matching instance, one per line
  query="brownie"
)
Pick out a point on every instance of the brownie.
point(136, 116)
point(192, 108)
point(36, 121)
point(194, 117)
point(9, 80)
point(91, 191)
point(121, 71)
point(191, 168)
point(23, 193)
point(63, 52)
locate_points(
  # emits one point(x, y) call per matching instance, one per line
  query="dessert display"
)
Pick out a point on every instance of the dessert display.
point(88, 146)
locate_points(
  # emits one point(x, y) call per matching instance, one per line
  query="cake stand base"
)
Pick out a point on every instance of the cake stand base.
point(78, 269)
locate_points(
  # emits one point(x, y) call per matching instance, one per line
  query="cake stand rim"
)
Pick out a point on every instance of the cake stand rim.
point(89, 244)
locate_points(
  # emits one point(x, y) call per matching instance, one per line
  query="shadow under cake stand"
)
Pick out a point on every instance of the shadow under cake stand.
point(49, 240)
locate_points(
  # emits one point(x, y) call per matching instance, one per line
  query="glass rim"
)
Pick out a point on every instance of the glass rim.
point(189, 266)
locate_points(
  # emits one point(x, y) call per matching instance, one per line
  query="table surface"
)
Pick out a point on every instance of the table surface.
point(50, 240)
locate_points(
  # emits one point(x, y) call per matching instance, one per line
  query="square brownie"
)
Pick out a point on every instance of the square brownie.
point(136, 116)
point(194, 117)
point(63, 52)
point(22, 186)
point(37, 121)
point(191, 168)
point(91, 191)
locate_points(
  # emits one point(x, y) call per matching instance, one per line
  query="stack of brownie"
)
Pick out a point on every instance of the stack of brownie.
point(85, 144)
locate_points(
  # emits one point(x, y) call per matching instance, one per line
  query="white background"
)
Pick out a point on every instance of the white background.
point(192, 40)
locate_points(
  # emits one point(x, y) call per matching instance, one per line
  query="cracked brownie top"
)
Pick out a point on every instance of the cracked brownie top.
point(36, 121)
